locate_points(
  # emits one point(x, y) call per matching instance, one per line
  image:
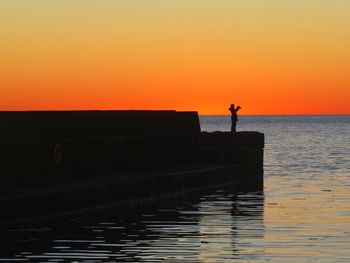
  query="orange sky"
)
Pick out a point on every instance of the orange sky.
point(271, 56)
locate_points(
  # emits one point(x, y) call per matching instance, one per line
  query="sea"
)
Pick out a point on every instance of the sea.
point(302, 215)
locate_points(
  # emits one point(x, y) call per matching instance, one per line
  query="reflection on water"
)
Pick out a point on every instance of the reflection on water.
point(292, 222)
point(308, 219)
point(215, 228)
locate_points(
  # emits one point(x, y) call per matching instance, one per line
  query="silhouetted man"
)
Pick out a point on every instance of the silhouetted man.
point(234, 117)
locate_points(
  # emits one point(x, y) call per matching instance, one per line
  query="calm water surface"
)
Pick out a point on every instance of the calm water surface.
point(303, 215)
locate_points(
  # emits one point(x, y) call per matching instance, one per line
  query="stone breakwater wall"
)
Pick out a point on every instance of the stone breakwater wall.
point(58, 161)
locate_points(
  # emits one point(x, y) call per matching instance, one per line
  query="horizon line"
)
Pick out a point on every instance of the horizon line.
point(279, 114)
point(200, 114)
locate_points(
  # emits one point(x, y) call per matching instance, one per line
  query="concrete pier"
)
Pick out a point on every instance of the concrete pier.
point(61, 161)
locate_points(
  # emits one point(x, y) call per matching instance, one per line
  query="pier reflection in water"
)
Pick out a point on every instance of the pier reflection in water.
point(214, 227)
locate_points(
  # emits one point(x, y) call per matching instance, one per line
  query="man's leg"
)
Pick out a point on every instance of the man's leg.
point(233, 126)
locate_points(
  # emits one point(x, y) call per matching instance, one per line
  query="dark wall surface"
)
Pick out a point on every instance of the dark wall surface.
point(40, 146)
point(42, 125)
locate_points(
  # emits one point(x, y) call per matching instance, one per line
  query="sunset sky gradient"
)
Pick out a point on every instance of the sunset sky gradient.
point(269, 56)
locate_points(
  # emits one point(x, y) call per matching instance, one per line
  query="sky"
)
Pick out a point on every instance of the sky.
point(268, 56)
